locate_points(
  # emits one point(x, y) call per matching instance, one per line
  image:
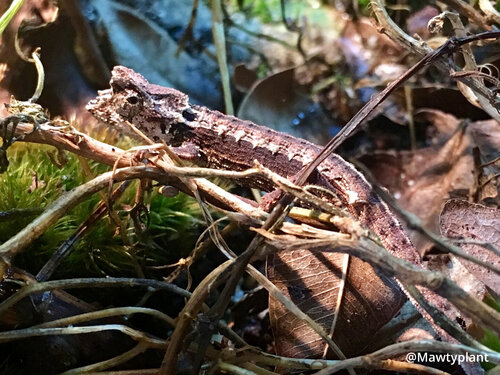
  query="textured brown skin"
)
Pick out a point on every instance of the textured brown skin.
point(227, 142)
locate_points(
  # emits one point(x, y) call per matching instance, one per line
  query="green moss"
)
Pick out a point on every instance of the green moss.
point(363, 4)
point(172, 231)
point(492, 341)
point(269, 11)
point(491, 301)
point(18, 190)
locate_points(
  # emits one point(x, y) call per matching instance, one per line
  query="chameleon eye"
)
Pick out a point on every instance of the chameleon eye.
point(189, 114)
point(133, 100)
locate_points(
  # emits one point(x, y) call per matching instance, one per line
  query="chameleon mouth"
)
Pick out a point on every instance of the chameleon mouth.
point(103, 96)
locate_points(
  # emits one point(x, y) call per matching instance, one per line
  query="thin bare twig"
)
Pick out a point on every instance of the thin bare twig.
point(450, 46)
point(415, 223)
point(8, 336)
point(220, 47)
point(475, 73)
point(467, 10)
point(110, 363)
point(409, 347)
point(64, 249)
point(188, 32)
point(486, 245)
point(293, 26)
point(110, 282)
point(393, 31)
point(493, 161)
point(403, 270)
point(106, 313)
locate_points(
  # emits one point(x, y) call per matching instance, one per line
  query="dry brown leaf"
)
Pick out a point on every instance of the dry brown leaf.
point(149, 45)
point(452, 268)
point(486, 135)
point(280, 102)
point(443, 124)
point(445, 99)
point(311, 280)
point(422, 180)
point(368, 56)
point(463, 220)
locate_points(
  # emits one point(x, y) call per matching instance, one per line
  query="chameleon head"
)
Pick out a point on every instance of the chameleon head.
point(133, 102)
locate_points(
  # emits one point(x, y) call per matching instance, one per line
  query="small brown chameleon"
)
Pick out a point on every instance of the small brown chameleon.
point(220, 141)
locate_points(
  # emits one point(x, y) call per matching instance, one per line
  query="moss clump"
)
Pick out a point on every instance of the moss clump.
point(32, 182)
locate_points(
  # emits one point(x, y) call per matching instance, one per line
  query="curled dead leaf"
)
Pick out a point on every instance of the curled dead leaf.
point(312, 281)
point(463, 220)
point(422, 180)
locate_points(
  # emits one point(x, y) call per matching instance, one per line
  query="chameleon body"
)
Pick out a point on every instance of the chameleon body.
point(226, 142)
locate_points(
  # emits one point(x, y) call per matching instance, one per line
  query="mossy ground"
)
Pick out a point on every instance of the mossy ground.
point(171, 232)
